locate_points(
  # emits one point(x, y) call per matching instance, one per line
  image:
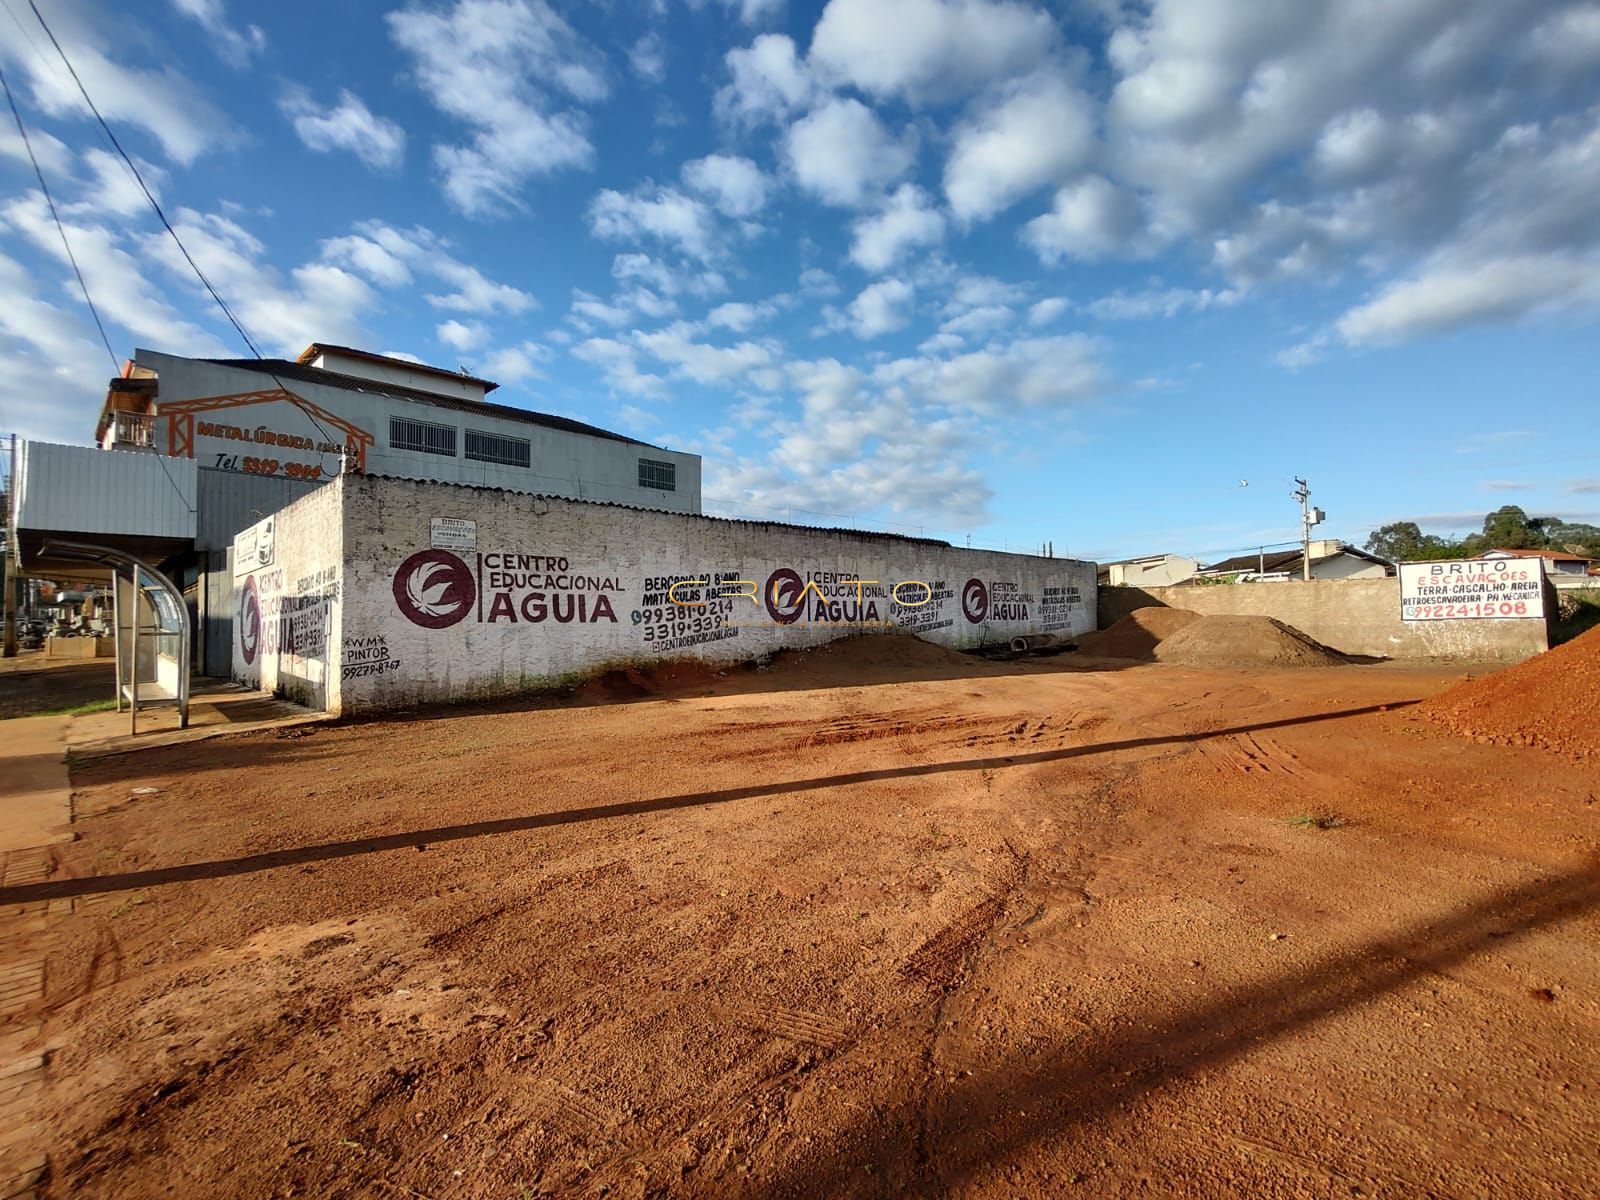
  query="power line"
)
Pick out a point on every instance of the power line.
point(143, 187)
point(155, 205)
point(38, 174)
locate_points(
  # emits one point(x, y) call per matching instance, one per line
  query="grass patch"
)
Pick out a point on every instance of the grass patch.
point(1323, 820)
point(77, 710)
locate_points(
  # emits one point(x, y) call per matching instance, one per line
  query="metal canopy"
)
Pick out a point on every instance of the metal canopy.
point(166, 599)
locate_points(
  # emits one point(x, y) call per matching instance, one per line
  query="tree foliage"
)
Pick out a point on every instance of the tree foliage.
point(1506, 528)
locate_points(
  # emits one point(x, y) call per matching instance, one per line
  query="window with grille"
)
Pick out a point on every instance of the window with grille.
point(655, 474)
point(422, 436)
point(494, 448)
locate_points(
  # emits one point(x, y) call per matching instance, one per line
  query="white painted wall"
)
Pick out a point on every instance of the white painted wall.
point(287, 611)
point(556, 589)
point(399, 374)
point(1164, 571)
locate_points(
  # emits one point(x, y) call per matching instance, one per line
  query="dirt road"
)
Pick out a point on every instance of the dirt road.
point(856, 926)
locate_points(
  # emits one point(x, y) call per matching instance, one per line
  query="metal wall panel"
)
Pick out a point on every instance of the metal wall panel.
point(83, 489)
point(231, 501)
point(216, 630)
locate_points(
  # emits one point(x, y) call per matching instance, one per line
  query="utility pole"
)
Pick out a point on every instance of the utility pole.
point(1308, 517)
point(12, 581)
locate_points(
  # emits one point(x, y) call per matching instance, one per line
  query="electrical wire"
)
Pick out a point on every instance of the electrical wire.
point(156, 206)
point(143, 187)
point(66, 245)
point(55, 216)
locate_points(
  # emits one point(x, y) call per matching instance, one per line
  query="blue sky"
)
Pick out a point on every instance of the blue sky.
point(1073, 272)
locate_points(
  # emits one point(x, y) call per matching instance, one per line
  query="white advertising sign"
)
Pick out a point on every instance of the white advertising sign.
point(1498, 588)
point(253, 548)
point(454, 533)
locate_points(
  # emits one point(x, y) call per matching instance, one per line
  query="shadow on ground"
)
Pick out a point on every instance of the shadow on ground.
point(270, 860)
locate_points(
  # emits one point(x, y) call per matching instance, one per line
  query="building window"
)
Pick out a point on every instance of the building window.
point(656, 474)
point(494, 448)
point(422, 436)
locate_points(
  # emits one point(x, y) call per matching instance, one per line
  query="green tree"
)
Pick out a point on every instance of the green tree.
point(1506, 528)
point(1404, 541)
point(1575, 538)
point(1509, 528)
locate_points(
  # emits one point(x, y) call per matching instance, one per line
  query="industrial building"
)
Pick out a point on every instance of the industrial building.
point(189, 451)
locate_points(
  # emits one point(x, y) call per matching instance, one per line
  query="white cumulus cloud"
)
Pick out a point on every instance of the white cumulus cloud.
point(1038, 131)
point(511, 71)
point(1089, 219)
point(348, 125)
point(881, 308)
point(928, 49)
point(841, 153)
point(906, 221)
point(734, 185)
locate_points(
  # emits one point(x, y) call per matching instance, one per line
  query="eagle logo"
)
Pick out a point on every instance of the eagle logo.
point(249, 622)
point(785, 596)
point(434, 589)
point(975, 601)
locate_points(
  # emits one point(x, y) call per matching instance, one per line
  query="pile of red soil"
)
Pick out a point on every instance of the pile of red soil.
point(1137, 634)
point(863, 658)
point(874, 652)
point(1548, 701)
point(1244, 642)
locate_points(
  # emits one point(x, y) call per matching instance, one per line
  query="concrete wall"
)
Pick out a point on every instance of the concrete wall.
point(1355, 616)
point(1161, 572)
point(287, 613)
point(556, 589)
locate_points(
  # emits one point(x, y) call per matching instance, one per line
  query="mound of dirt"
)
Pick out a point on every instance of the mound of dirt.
point(862, 659)
point(638, 683)
point(1243, 642)
point(1547, 701)
point(877, 652)
point(1137, 634)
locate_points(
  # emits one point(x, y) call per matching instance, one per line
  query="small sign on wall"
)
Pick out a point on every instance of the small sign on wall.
point(1499, 588)
point(454, 533)
point(253, 549)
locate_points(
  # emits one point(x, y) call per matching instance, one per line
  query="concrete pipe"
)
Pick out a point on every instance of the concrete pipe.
point(1031, 642)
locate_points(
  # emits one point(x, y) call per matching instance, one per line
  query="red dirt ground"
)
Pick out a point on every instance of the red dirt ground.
point(859, 924)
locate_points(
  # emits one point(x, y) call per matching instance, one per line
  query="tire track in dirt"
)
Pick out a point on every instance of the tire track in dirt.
point(796, 1025)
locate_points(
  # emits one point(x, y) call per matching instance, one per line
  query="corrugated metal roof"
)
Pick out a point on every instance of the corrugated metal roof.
point(282, 368)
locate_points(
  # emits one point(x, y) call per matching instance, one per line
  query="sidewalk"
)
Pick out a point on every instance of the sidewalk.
point(215, 710)
point(35, 797)
point(35, 813)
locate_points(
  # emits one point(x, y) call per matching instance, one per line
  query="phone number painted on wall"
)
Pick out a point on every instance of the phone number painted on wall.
point(1477, 589)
